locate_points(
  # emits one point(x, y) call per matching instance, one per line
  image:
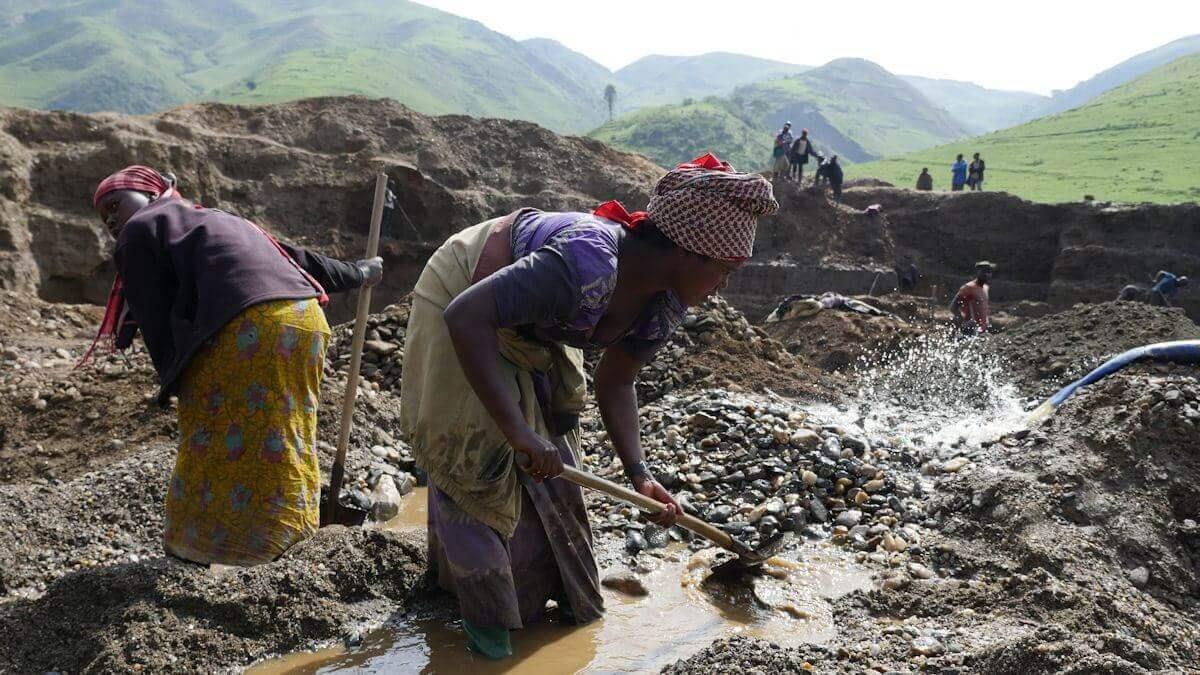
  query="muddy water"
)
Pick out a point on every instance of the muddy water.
point(683, 614)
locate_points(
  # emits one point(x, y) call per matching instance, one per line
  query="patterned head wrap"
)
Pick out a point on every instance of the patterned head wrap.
point(705, 207)
point(136, 177)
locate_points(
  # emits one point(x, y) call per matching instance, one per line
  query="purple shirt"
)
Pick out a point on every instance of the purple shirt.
point(562, 279)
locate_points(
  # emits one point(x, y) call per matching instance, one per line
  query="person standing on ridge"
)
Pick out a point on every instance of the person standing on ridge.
point(925, 181)
point(975, 173)
point(970, 306)
point(958, 175)
point(783, 142)
point(801, 148)
point(833, 172)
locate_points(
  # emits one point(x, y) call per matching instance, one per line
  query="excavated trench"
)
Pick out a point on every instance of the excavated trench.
point(932, 531)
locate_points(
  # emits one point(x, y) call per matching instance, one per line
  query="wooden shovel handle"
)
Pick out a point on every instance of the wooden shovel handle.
point(647, 504)
point(337, 472)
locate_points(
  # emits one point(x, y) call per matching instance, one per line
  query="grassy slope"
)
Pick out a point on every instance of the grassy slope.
point(978, 109)
point(853, 108)
point(673, 134)
point(143, 55)
point(1135, 143)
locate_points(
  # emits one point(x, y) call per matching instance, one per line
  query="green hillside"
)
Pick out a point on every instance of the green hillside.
point(978, 109)
point(853, 108)
point(139, 56)
point(658, 80)
point(1138, 142)
point(676, 133)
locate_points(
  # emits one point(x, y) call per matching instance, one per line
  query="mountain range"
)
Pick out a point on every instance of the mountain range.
point(139, 56)
point(851, 107)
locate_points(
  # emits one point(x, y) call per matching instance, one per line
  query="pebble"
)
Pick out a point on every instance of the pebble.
point(385, 501)
point(625, 582)
point(927, 646)
point(849, 518)
point(635, 542)
point(1139, 576)
point(955, 465)
point(920, 571)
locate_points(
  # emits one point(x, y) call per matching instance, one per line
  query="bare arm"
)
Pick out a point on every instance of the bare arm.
point(617, 398)
point(472, 321)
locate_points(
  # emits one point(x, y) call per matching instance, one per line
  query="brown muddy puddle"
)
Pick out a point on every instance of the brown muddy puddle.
point(681, 616)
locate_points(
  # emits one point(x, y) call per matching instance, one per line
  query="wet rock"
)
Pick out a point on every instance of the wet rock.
point(849, 518)
point(818, 511)
point(625, 582)
point(385, 501)
point(927, 646)
point(920, 571)
point(405, 482)
point(806, 439)
point(635, 541)
point(955, 465)
point(1139, 576)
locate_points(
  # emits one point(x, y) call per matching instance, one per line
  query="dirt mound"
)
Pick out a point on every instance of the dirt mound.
point(717, 347)
point(304, 170)
point(167, 616)
point(1050, 351)
point(835, 339)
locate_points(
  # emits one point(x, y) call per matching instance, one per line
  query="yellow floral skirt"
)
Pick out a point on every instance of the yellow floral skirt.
point(246, 484)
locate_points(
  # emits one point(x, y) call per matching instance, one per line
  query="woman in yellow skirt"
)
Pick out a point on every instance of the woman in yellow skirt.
point(232, 320)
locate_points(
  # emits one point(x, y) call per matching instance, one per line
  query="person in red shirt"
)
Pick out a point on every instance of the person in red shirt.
point(970, 305)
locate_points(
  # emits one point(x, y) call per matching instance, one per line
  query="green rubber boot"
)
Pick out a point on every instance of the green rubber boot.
point(491, 643)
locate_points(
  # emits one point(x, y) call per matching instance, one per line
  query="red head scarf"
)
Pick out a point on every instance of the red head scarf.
point(118, 325)
point(136, 177)
point(704, 206)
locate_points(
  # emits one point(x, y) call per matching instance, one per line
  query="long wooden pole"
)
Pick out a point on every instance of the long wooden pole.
point(648, 504)
point(338, 472)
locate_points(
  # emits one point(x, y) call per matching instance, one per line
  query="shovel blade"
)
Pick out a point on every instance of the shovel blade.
point(748, 559)
point(340, 514)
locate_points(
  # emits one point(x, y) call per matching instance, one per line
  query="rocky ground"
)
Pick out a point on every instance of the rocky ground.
point(1071, 547)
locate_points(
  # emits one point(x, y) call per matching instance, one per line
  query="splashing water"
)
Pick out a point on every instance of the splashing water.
point(936, 389)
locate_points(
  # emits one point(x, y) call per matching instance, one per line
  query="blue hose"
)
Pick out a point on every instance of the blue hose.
point(1180, 351)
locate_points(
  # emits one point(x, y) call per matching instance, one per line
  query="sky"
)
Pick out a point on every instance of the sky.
point(1025, 45)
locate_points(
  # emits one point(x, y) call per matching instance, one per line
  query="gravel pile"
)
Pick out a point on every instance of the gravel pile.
point(755, 467)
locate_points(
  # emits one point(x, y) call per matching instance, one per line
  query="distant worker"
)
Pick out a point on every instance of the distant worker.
point(783, 141)
point(801, 149)
point(833, 173)
point(958, 175)
point(975, 173)
point(1165, 287)
point(925, 181)
point(969, 308)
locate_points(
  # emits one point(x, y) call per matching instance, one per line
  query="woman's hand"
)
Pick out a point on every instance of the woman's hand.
point(372, 271)
point(543, 458)
point(649, 487)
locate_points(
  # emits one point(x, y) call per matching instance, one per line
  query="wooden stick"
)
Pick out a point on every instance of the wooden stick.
point(650, 505)
point(337, 473)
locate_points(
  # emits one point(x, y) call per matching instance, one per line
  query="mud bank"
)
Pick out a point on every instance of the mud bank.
point(167, 616)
